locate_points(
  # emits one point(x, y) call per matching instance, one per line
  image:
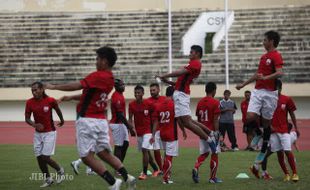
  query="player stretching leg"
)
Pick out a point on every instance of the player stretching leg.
point(207, 112)
point(280, 140)
point(265, 96)
point(181, 95)
point(92, 126)
point(41, 107)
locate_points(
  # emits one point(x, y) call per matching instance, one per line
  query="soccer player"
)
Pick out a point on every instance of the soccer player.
point(76, 163)
point(44, 140)
point(181, 95)
point(265, 96)
point(119, 123)
point(164, 121)
point(139, 112)
point(228, 109)
point(252, 131)
point(153, 100)
point(208, 112)
point(280, 140)
point(92, 126)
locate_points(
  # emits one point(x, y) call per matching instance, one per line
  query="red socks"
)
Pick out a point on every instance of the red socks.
point(213, 165)
point(167, 167)
point(158, 159)
point(200, 160)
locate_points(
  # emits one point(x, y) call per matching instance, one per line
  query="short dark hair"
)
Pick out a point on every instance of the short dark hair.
point(108, 53)
point(198, 49)
point(227, 91)
point(154, 84)
point(273, 35)
point(40, 85)
point(247, 91)
point(210, 87)
point(117, 82)
point(169, 91)
point(139, 87)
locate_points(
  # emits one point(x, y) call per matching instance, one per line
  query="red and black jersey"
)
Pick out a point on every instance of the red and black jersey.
point(268, 64)
point(142, 118)
point(42, 112)
point(183, 82)
point(279, 120)
point(206, 110)
point(96, 88)
point(118, 104)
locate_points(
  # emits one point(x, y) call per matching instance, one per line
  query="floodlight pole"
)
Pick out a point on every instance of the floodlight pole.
point(170, 36)
point(226, 46)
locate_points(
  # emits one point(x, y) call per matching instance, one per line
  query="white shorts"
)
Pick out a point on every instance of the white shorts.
point(204, 147)
point(280, 141)
point(171, 148)
point(263, 102)
point(144, 142)
point(157, 145)
point(181, 103)
point(44, 143)
point(293, 136)
point(92, 135)
point(119, 134)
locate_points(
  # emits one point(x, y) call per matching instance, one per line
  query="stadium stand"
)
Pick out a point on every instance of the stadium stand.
point(58, 47)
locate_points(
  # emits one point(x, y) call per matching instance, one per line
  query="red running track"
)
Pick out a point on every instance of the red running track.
point(21, 133)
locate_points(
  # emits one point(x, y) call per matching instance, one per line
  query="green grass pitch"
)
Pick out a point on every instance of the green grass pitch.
point(18, 164)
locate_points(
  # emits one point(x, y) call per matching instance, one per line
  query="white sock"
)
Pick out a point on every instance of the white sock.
point(256, 166)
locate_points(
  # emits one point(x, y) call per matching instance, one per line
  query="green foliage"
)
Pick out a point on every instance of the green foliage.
point(17, 163)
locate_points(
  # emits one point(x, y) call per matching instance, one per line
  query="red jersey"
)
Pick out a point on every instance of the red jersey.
point(152, 102)
point(268, 64)
point(42, 112)
point(117, 105)
point(96, 88)
point(244, 108)
point(142, 118)
point(279, 120)
point(164, 114)
point(207, 108)
point(183, 81)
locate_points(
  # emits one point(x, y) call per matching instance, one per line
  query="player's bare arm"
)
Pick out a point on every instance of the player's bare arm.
point(69, 98)
point(154, 126)
point(278, 74)
point(293, 117)
point(59, 113)
point(37, 126)
point(64, 87)
point(173, 74)
point(165, 80)
point(250, 80)
point(120, 116)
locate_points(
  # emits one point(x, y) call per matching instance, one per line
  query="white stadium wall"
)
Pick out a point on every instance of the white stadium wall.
point(130, 5)
point(12, 101)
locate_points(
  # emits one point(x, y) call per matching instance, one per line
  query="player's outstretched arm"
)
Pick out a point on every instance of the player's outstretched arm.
point(250, 80)
point(173, 74)
point(64, 87)
point(69, 98)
